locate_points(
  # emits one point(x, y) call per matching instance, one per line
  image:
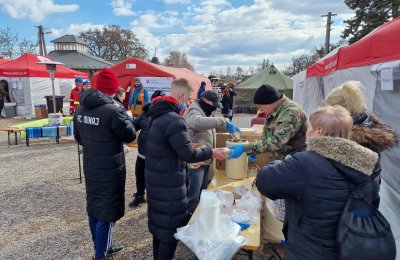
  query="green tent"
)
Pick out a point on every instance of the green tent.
point(271, 76)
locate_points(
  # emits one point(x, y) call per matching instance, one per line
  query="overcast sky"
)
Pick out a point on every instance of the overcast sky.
point(213, 33)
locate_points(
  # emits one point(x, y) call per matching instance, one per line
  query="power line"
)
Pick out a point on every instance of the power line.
point(265, 30)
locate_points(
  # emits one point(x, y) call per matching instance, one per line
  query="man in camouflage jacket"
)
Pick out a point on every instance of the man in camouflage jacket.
point(284, 129)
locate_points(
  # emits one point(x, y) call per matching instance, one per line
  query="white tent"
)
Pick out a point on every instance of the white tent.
point(375, 62)
point(29, 82)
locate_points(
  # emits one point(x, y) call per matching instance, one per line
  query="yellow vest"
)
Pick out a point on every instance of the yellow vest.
point(139, 103)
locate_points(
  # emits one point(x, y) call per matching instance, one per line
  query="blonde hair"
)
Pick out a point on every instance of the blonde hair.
point(179, 85)
point(348, 95)
point(120, 91)
point(335, 121)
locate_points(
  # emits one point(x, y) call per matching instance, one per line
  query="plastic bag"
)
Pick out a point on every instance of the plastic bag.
point(211, 235)
point(277, 208)
point(249, 202)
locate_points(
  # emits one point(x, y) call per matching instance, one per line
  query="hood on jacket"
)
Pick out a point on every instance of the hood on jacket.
point(372, 133)
point(93, 98)
point(162, 105)
point(146, 107)
point(346, 152)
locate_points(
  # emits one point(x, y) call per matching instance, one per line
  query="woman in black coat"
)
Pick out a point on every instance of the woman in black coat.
point(317, 184)
point(141, 123)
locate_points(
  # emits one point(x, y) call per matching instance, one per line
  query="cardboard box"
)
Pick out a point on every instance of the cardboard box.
point(40, 112)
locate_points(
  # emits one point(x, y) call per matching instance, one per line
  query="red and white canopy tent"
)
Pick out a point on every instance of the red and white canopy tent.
point(153, 76)
point(3, 60)
point(375, 62)
point(30, 82)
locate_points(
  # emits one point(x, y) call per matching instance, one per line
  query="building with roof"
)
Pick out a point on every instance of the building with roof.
point(73, 52)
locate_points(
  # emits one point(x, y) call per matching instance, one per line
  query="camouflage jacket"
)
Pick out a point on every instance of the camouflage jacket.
point(284, 131)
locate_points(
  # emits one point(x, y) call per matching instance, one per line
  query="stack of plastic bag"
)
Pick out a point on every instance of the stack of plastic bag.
point(211, 235)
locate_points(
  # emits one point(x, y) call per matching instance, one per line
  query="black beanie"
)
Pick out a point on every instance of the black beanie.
point(266, 94)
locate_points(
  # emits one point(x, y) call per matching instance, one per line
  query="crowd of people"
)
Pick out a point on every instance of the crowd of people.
point(316, 162)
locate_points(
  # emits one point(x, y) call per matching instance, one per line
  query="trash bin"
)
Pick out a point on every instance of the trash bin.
point(10, 109)
point(41, 111)
point(59, 103)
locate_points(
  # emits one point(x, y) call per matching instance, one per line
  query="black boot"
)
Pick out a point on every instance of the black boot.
point(114, 249)
point(137, 201)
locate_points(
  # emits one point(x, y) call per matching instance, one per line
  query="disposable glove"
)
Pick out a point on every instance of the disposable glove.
point(237, 151)
point(232, 128)
point(243, 226)
point(253, 157)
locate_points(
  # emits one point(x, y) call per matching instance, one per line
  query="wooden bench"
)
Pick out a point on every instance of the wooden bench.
point(12, 130)
point(252, 234)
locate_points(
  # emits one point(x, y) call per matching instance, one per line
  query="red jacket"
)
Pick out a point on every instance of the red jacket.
point(74, 100)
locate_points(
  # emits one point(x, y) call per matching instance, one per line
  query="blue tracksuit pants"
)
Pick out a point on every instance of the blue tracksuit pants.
point(101, 236)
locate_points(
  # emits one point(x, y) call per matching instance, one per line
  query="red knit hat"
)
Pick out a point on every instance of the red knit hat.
point(107, 82)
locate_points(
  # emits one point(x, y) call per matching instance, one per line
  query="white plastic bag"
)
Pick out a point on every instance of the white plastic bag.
point(211, 235)
point(277, 208)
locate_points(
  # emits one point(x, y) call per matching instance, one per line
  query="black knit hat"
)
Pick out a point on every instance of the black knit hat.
point(266, 94)
point(157, 93)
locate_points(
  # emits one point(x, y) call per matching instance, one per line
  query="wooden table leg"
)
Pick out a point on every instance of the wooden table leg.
point(79, 162)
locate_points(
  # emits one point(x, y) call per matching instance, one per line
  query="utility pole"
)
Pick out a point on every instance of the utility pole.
point(41, 41)
point(40, 30)
point(328, 31)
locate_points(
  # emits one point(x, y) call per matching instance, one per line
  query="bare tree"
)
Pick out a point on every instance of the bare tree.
point(112, 42)
point(178, 60)
point(239, 73)
point(8, 42)
point(25, 46)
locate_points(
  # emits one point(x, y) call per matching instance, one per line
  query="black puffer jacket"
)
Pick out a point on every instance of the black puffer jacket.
point(168, 147)
point(141, 123)
point(101, 127)
point(316, 185)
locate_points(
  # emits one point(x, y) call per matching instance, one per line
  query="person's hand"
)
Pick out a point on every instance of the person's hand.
point(232, 128)
point(237, 151)
point(253, 157)
point(218, 153)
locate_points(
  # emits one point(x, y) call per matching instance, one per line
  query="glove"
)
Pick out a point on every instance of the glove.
point(253, 157)
point(237, 151)
point(243, 226)
point(232, 128)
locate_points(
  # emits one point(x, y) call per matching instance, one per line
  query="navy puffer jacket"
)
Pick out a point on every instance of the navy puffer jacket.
point(102, 128)
point(316, 185)
point(168, 148)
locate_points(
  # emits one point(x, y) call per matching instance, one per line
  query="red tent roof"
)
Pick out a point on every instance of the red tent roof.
point(3, 61)
point(128, 69)
point(381, 45)
point(25, 66)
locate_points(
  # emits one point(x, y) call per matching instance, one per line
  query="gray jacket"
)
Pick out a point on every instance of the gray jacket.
point(202, 128)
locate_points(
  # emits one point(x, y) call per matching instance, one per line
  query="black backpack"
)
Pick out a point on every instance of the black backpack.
point(363, 232)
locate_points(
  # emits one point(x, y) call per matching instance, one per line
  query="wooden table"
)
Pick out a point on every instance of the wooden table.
point(252, 234)
point(12, 130)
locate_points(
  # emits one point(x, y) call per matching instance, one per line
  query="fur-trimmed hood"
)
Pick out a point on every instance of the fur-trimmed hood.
point(369, 131)
point(344, 151)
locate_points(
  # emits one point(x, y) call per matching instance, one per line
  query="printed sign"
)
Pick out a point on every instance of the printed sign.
point(131, 66)
point(152, 84)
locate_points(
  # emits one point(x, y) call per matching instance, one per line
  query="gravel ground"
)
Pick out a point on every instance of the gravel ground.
point(43, 214)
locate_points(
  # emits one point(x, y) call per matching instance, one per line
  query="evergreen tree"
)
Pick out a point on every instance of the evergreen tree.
point(368, 16)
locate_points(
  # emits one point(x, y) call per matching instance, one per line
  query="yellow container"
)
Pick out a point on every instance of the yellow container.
point(236, 168)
